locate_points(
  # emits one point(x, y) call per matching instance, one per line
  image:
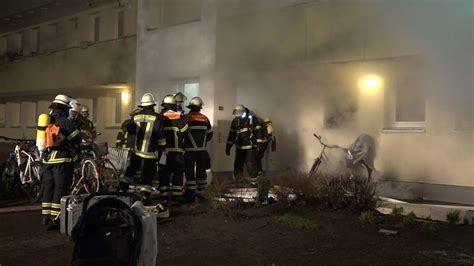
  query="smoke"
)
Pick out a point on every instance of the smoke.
point(301, 65)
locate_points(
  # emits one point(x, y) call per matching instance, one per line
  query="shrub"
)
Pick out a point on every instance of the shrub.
point(397, 211)
point(453, 216)
point(366, 217)
point(409, 219)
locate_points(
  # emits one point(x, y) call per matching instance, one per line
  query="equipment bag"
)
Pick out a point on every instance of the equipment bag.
point(108, 233)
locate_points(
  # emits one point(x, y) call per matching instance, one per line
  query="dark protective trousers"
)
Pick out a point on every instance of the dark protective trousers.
point(250, 160)
point(148, 171)
point(171, 181)
point(57, 180)
point(195, 168)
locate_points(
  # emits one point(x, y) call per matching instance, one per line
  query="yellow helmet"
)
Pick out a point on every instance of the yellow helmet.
point(147, 100)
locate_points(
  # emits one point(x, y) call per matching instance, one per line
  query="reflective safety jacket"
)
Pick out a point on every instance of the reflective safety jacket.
point(200, 132)
point(146, 126)
point(246, 132)
point(175, 128)
point(66, 140)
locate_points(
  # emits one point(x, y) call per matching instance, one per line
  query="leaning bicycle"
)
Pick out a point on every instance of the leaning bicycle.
point(357, 173)
point(95, 172)
point(22, 171)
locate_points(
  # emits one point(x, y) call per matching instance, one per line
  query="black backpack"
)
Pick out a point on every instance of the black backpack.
point(108, 233)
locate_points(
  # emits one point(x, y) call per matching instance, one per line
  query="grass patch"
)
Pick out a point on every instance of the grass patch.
point(295, 222)
point(453, 217)
point(367, 217)
point(397, 211)
point(409, 219)
point(429, 227)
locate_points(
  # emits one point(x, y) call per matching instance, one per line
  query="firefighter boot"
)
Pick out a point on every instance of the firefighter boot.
point(45, 220)
point(263, 187)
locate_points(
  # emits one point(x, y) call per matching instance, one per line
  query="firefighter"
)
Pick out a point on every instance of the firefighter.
point(74, 112)
point(145, 124)
point(180, 98)
point(62, 140)
point(196, 157)
point(87, 126)
point(175, 128)
point(247, 132)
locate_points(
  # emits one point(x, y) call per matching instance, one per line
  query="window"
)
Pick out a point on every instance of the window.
point(28, 114)
point(96, 29)
point(340, 107)
point(2, 115)
point(120, 24)
point(465, 114)
point(405, 97)
point(12, 114)
point(172, 12)
point(191, 90)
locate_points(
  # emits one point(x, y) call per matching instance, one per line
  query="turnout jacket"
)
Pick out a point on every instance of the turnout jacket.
point(175, 128)
point(246, 133)
point(200, 131)
point(146, 126)
point(68, 140)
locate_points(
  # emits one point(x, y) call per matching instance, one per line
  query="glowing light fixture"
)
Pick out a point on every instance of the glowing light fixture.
point(125, 97)
point(370, 84)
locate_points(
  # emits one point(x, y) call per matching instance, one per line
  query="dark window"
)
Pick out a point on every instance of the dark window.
point(118, 109)
point(96, 29)
point(120, 24)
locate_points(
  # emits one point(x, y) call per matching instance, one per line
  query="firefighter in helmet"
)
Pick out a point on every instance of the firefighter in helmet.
point(175, 128)
point(196, 156)
point(180, 98)
point(87, 126)
point(246, 133)
point(146, 126)
point(62, 142)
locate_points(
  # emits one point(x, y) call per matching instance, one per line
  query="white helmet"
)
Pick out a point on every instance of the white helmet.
point(169, 99)
point(84, 111)
point(239, 110)
point(196, 101)
point(147, 100)
point(62, 99)
point(180, 97)
point(75, 105)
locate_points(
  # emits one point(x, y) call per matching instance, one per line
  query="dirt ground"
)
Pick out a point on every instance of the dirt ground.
point(202, 235)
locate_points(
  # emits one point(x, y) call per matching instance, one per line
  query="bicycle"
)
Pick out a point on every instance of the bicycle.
point(357, 179)
point(95, 172)
point(24, 166)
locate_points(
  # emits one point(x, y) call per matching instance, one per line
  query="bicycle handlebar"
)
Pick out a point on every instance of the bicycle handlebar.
point(17, 140)
point(326, 145)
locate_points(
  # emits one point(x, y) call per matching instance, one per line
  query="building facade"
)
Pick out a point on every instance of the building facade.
point(400, 71)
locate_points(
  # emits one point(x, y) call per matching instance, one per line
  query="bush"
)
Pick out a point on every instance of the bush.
point(453, 216)
point(398, 211)
point(339, 191)
point(295, 222)
point(366, 217)
point(409, 219)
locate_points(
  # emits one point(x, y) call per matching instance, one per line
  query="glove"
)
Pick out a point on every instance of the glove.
point(227, 150)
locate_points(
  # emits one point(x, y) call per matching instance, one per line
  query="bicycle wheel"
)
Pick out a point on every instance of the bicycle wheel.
point(109, 175)
point(315, 167)
point(90, 179)
point(35, 188)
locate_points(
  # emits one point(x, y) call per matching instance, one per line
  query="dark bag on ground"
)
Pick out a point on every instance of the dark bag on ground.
point(108, 233)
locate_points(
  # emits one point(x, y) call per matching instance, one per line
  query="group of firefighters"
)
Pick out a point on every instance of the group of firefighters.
point(169, 143)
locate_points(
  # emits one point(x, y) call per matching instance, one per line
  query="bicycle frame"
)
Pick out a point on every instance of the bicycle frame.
point(26, 174)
